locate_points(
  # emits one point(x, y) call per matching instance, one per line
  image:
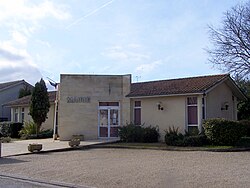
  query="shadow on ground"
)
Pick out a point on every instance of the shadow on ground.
point(5, 160)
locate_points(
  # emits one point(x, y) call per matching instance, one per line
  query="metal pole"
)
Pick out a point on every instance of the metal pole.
point(0, 148)
point(54, 131)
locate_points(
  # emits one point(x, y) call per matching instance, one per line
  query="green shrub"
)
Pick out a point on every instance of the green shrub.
point(10, 129)
point(198, 140)
point(28, 129)
point(192, 131)
point(246, 123)
point(131, 133)
point(173, 137)
point(5, 129)
point(223, 132)
point(151, 134)
point(135, 133)
point(243, 142)
point(14, 129)
point(46, 133)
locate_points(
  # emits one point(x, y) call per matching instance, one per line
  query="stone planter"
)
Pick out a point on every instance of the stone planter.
point(74, 142)
point(35, 147)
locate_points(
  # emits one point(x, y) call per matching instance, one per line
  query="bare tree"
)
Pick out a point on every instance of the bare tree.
point(231, 42)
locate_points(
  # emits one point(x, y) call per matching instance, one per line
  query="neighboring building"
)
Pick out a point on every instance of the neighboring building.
point(96, 105)
point(20, 110)
point(9, 91)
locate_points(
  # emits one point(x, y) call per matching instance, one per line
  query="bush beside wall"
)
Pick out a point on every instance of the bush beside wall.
point(198, 140)
point(173, 137)
point(151, 134)
point(10, 129)
point(243, 142)
point(246, 123)
point(29, 131)
point(135, 133)
point(223, 132)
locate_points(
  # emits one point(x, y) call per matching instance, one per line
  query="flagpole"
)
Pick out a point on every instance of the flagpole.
point(55, 116)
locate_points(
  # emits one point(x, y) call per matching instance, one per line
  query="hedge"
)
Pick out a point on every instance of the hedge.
point(136, 133)
point(173, 137)
point(10, 129)
point(198, 140)
point(223, 132)
point(246, 123)
point(243, 142)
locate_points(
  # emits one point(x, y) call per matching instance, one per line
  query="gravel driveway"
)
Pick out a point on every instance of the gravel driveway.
point(135, 168)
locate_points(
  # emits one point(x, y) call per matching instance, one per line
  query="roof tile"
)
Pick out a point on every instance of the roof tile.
point(8, 84)
point(175, 86)
point(25, 101)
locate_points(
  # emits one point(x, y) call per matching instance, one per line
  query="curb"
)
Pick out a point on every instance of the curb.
point(41, 182)
point(175, 148)
point(62, 149)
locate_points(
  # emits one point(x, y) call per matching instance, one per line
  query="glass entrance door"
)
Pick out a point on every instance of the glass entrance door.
point(109, 121)
point(114, 122)
point(104, 124)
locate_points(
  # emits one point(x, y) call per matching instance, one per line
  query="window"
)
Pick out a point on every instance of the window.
point(16, 115)
point(137, 113)
point(22, 115)
point(192, 111)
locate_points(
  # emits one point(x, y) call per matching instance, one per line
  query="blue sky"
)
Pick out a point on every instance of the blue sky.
point(150, 39)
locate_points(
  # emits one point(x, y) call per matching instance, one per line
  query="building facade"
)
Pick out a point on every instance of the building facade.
point(9, 91)
point(93, 105)
point(20, 110)
point(97, 105)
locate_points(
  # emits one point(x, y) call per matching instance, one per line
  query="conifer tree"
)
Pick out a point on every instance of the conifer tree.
point(40, 105)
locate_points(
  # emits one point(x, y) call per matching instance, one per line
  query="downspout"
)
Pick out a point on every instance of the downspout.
point(204, 108)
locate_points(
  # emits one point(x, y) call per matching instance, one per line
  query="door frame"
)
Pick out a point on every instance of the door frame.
point(109, 124)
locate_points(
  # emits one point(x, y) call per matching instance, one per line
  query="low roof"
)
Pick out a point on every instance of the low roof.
point(6, 85)
point(25, 101)
point(181, 86)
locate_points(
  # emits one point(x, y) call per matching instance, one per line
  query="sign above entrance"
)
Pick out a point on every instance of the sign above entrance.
point(78, 99)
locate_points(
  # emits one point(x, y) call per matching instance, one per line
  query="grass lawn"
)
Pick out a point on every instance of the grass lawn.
point(163, 146)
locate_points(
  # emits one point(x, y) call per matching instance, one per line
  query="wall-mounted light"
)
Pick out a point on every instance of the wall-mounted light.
point(225, 106)
point(159, 106)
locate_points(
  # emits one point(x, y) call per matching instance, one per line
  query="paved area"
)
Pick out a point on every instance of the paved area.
point(13, 183)
point(21, 147)
point(110, 168)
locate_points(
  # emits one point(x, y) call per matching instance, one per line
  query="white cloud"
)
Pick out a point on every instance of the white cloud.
point(25, 10)
point(10, 52)
point(130, 52)
point(22, 19)
point(16, 63)
point(44, 43)
point(134, 46)
point(19, 37)
point(89, 14)
point(148, 67)
point(16, 70)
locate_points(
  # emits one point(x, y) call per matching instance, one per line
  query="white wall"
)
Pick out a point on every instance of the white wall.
point(216, 98)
